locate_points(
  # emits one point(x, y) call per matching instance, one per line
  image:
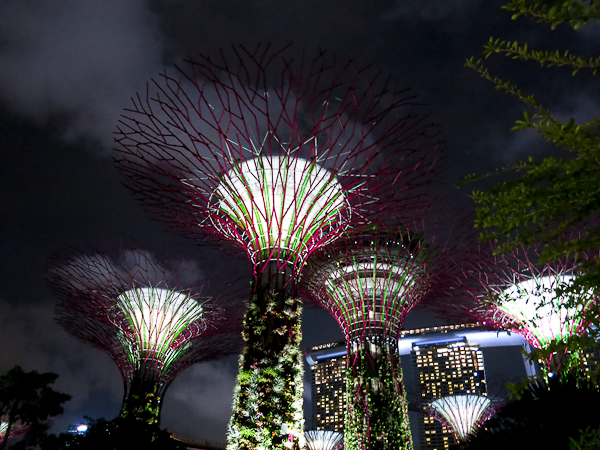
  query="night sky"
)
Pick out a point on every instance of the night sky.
point(68, 68)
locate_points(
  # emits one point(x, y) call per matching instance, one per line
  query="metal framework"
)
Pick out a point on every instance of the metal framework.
point(280, 153)
point(145, 316)
point(462, 414)
point(369, 284)
point(517, 294)
point(323, 440)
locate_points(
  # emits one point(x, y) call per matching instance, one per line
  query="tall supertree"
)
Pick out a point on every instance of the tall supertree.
point(153, 321)
point(369, 284)
point(514, 292)
point(279, 153)
point(462, 414)
point(323, 440)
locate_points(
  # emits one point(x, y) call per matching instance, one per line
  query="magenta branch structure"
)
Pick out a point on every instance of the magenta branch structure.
point(462, 414)
point(153, 321)
point(533, 300)
point(369, 284)
point(280, 153)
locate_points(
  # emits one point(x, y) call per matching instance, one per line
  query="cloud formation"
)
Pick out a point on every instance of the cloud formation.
point(76, 62)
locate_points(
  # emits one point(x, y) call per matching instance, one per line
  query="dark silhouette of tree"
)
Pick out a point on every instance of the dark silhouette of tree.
point(27, 398)
point(118, 434)
point(547, 414)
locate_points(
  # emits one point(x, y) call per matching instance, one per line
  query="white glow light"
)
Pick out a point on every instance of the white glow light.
point(322, 440)
point(534, 303)
point(157, 317)
point(462, 413)
point(280, 202)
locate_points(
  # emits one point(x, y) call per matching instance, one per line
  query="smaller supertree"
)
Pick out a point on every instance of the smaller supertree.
point(369, 284)
point(151, 320)
point(533, 300)
point(17, 429)
point(462, 414)
point(323, 440)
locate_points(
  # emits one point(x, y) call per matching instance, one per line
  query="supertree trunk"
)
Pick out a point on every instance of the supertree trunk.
point(267, 409)
point(377, 412)
point(143, 401)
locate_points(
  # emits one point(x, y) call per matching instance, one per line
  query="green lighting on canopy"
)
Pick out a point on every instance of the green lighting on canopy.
point(280, 202)
point(534, 304)
point(157, 319)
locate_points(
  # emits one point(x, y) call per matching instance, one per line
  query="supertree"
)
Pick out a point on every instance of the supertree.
point(462, 414)
point(16, 429)
point(279, 153)
point(369, 284)
point(323, 440)
point(150, 319)
point(516, 293)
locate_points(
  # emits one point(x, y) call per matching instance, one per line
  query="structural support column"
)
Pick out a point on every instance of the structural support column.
point(267, 408)
point(377, 412)
point(143, 400)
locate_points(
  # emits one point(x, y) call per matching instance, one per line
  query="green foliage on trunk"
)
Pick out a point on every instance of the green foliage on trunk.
point(143, 406)
point(377, 412)
point(267, 409)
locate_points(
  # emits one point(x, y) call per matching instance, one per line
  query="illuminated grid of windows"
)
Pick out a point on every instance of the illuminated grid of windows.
point(328, 385)
point(445, 368)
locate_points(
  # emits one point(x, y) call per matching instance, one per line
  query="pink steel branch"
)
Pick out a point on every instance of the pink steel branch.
point(92, 308)
point(513, 292)
point(279, 154)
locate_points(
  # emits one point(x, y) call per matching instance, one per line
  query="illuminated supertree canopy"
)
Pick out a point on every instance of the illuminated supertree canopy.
point(323, 440)
point(369, 284)
point(532, 299)
point(151, 320)
point(462, 414)
point(280, 153)
point(16, 429)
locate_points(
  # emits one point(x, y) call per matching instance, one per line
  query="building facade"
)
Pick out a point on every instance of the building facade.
point(436, 361)
point(328, 386)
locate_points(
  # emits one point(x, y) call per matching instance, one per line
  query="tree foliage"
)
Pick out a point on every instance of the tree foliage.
point(546, 413)
point(547, 201)
point(27, 398)
point(118, 434)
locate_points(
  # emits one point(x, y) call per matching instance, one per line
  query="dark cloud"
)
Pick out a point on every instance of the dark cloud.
point(198, 403)
point(79, 59)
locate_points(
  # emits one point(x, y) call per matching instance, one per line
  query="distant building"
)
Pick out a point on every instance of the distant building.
point(328, 386)
point(446, 366)
point(436, 361)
